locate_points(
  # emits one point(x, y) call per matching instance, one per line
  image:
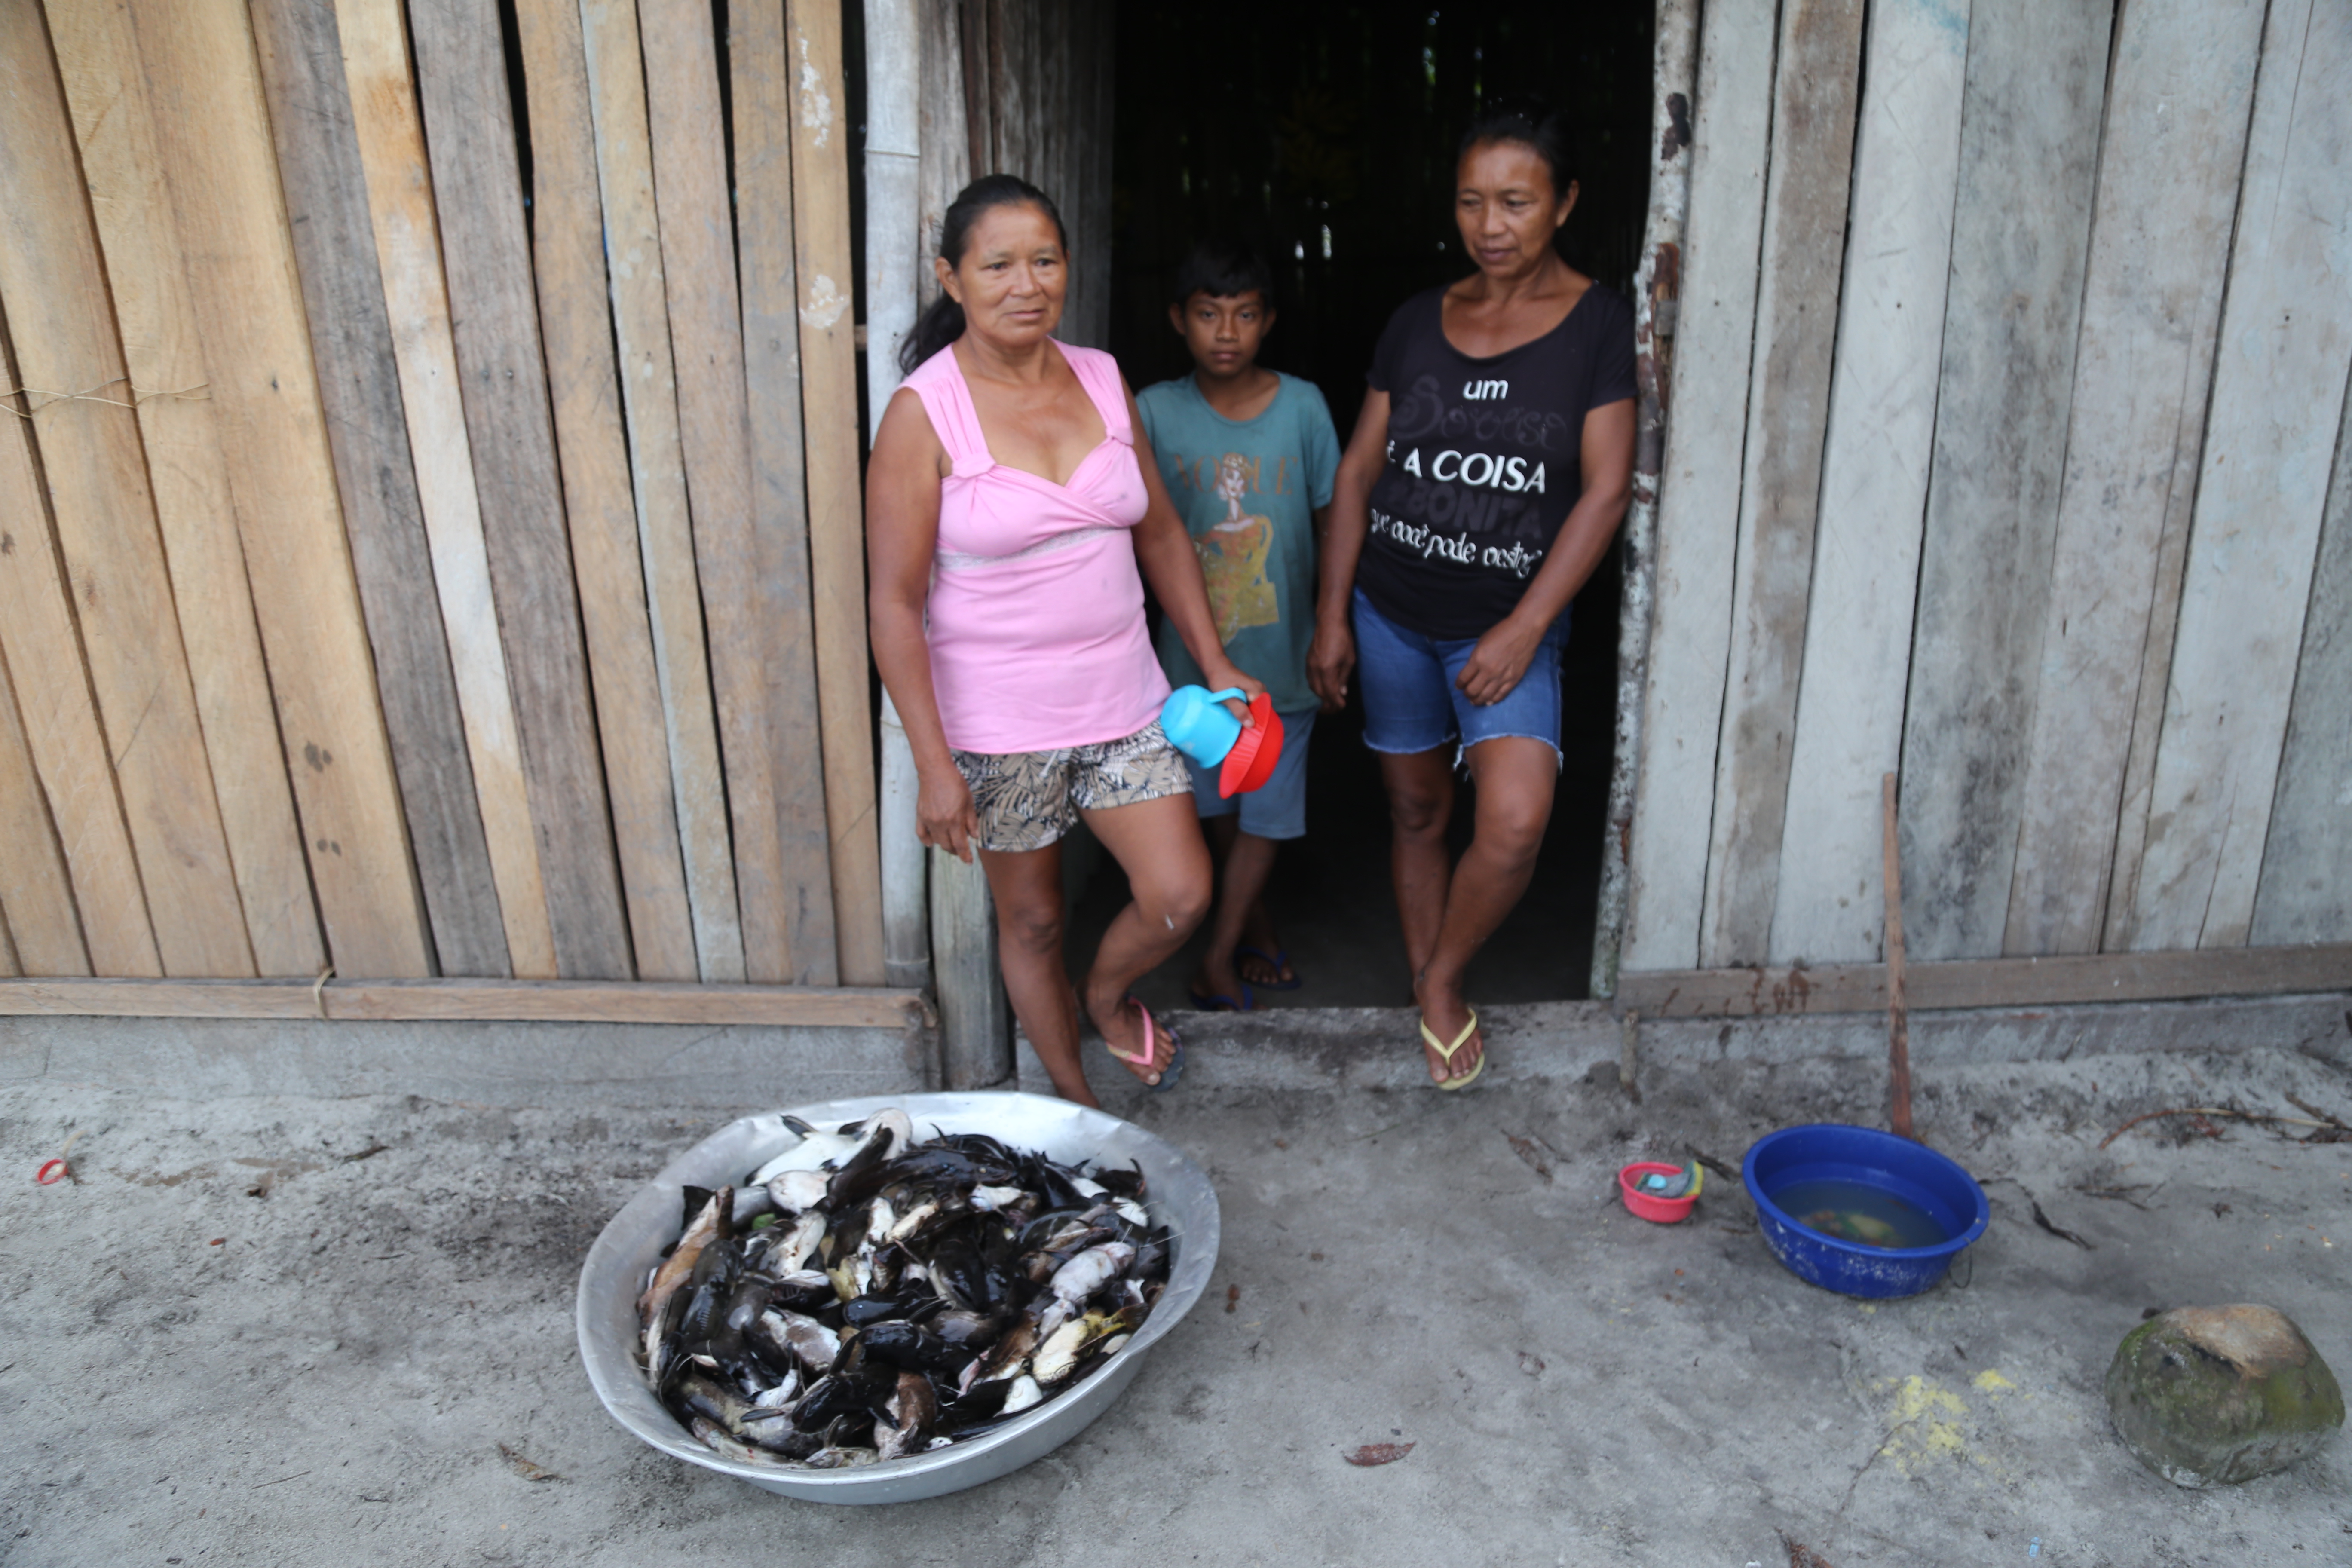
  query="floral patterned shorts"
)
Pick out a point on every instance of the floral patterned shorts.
point(1027, 800)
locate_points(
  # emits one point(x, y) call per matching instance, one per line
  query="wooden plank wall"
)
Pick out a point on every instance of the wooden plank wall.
point(417, 556)
point(2061, 527)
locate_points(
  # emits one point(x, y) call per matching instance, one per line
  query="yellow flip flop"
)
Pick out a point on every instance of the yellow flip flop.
point(1446, 1051)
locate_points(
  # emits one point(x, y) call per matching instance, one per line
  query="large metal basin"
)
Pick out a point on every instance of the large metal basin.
point(1180, 1197)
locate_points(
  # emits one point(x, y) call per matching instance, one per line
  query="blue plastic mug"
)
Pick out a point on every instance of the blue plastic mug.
point(1199, 724)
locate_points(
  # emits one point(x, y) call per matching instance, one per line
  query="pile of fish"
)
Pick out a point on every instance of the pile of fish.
point(862, 1295)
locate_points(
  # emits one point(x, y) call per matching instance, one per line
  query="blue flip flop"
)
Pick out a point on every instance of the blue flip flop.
point(1218, 1002)
point(1277, 962)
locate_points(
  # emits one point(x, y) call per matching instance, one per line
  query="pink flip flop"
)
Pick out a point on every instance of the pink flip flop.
point(1151, 1032)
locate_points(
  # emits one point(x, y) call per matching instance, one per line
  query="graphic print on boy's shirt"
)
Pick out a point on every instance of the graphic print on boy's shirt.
point(1233, 555)
point(1247, 490)
point(1485, 459)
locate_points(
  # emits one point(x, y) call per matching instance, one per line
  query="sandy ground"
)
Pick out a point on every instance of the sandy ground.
point(274, 1330)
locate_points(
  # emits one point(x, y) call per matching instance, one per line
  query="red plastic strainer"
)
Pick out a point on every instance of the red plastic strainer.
point(1255, 750)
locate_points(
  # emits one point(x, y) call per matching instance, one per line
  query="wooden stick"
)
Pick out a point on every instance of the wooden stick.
point(574, 1001)
point(402, 205)
point(616, 96)
point(2215, 1110)
point(1899, 1020)
point(62, 324)
point(761, 66)
point(575, 317)
point(146, 275)
point(821, 132)
point(35, 891)
point(462, 89)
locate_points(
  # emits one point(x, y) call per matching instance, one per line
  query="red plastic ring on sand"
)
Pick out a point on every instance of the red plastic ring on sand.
point(50, 1174)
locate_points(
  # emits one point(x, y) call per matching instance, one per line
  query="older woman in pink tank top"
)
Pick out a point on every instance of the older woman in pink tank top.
point(1010, 504)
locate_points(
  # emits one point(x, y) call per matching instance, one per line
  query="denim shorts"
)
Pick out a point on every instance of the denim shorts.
point(1411, 703)
point(1276, 808)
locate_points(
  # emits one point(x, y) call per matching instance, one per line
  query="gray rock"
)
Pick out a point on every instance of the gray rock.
point(2214, 1395)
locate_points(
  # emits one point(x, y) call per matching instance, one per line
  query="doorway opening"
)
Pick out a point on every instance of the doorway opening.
point(1325, 134)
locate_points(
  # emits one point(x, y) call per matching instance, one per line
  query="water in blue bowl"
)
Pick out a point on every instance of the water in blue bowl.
point(1859, 1212)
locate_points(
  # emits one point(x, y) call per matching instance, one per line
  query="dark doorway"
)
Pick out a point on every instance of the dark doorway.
point(1325, 134)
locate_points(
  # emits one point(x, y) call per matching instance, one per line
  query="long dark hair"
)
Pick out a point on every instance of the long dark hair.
point(1532, 123)
point(942, 322)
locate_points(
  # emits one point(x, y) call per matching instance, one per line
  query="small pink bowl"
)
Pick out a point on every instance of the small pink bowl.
point(1658, 1211)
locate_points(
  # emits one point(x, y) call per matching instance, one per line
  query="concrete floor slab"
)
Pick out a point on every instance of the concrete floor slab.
point(271, 1329)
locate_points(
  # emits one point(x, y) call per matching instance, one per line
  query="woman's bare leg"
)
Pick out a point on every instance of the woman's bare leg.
point(1158, 843)
point(1515, 778)
point(1420, 787)
point(1028, 888)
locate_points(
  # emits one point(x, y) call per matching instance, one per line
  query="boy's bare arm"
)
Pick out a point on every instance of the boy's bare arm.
point(1342, 525)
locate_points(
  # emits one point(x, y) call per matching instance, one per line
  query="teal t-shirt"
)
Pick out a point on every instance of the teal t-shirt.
point(1247, 490)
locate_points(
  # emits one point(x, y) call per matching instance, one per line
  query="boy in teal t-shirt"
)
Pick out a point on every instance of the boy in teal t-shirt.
point(1248, 456)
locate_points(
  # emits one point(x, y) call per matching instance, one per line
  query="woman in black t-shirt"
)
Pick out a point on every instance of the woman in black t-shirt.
point(1489, 469)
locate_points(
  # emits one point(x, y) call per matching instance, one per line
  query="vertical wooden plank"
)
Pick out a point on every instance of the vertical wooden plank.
point(584, 383)
point(1698, 490)
point(2278, 394)
point(291, 440)
point(760, 66)
point(1882, 426)
point(945, 131)
point(62, 323)
point(114, 125)
point(2179, 92)
point(617, 92)
point(837, 534)
point(1787, 399)
point(401, 206)
point(36, 888)
point(59, 717)
point(706, 335)
point(2037, 81)
point(477, 192)
point(2306, 887)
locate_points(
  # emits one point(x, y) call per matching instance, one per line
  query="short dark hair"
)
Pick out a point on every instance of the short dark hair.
point(1223, 270)
point(942, 322)
point(1534, 124)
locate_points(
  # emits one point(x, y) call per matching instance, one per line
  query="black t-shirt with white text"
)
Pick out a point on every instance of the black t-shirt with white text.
point(1483, 458)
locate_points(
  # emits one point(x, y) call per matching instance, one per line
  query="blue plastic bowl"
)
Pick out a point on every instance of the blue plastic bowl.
point(1912, 1171)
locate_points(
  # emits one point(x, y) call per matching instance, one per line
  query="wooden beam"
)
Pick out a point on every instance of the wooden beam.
point(35, 890)
point(706, 325)
point(821, 135)
point(2306, 888)
point(60, 718)
point(769, 268)
point(473, 1001)
point(98, 60)
point(1698, 489)
point(625, 174)
point(62, 324)
point(1816, 79)
point(237, 227)
point(461, 70)
point(1988, 983)
point(2174, 142)
point(2037, 84)
point(403, 208)
point(575, 317)
point(1875, 466)
point(2278, 394)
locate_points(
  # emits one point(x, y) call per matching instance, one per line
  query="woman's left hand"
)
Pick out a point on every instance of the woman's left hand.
point(1497, 664)
point(1228, 675)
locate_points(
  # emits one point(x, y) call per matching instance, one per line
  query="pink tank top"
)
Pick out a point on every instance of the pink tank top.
point(1037, 635)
